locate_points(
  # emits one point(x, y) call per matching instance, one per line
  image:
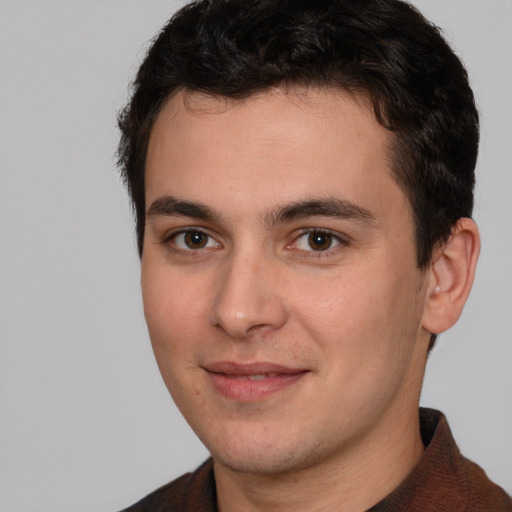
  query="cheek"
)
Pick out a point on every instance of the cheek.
point(174, 310)
point(361, 317)
point(365, 338)
point(173, 315)
point(339, 305)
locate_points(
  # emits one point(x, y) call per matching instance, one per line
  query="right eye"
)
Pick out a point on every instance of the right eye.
point(192, 239)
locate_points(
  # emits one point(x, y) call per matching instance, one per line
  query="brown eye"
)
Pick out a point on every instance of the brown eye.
point(195, 239)
point(190, 240)
point(320, 241)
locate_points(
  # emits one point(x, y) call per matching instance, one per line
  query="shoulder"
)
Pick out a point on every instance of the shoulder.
point(478, 491)
point(443, 478)
point(464, 482)
point(191, 492)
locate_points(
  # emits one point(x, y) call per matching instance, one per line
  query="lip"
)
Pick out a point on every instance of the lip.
point(252, 382)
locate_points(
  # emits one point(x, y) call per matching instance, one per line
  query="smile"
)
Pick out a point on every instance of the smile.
point(253, 382)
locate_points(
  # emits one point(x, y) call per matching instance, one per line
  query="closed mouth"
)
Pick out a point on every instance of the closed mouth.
point(256, 369)
point(252, 382)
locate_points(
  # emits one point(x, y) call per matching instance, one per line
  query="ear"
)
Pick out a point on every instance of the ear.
point(451, 277)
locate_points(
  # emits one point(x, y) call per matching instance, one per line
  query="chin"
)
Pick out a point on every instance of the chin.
point(262, 464)
point(271, 457)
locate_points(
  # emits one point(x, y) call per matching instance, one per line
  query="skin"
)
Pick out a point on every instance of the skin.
point(236, 269)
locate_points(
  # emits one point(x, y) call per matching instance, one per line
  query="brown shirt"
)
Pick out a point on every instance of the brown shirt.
point(442, 481)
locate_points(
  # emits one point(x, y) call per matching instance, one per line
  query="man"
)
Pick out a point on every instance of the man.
point(302, 175)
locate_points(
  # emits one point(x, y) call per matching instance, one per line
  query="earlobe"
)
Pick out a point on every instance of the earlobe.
point(451, 277)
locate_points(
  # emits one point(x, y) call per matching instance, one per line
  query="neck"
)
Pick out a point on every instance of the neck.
point(365, 474)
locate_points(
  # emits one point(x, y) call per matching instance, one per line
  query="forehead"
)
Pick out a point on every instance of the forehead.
point(277, 146)
point(273, 111)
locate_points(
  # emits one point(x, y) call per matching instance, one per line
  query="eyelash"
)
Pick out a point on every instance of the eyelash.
point(170, 238)
point(340, 240)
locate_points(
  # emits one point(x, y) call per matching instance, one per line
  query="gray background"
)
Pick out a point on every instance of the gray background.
point(86, 423)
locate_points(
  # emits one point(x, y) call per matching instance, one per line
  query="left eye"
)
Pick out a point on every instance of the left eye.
point(317, 241)
point(193, 239)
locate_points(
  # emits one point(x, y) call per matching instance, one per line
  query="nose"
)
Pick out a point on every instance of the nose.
point(249, 297)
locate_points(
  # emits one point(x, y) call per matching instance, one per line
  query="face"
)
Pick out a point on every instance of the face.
point(279, 277)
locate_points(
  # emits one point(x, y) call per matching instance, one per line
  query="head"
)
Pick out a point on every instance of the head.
point(384, 49)
point(296, 168)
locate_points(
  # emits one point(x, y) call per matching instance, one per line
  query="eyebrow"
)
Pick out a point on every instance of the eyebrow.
point(317, 207)
point(170, 206)
point(322, 207)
